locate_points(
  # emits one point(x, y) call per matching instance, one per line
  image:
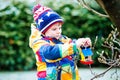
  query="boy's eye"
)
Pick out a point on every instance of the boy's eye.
point(59, 28)
point(53, 29)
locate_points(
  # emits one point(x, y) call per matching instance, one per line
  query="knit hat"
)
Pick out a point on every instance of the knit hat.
point(45, 17)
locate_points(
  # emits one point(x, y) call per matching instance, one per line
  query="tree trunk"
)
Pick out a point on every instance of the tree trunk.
point(112, 8)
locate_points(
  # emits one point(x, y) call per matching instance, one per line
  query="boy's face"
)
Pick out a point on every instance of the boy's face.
point(54, 31)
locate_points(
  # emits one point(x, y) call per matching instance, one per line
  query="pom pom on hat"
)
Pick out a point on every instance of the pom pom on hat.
point(36, 7)
point(45, 17)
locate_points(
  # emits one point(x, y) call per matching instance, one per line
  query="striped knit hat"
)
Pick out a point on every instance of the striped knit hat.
point(45, 17)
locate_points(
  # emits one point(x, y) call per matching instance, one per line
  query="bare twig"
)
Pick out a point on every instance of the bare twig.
point(83, 3)
point(112, 43)
point(103, 73)
point(95, 42)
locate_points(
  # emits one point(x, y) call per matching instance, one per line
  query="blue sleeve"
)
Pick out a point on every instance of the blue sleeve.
point(50, 52)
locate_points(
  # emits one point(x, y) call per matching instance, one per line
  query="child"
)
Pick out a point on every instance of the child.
point(55, 53)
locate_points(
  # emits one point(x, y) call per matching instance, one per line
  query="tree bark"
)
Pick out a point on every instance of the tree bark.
point(112, 8)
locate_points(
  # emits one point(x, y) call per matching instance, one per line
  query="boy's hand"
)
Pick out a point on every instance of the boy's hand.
point(83, 42)
point(87, 42)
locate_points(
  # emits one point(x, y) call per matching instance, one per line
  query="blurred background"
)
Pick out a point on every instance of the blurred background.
point(17, 59)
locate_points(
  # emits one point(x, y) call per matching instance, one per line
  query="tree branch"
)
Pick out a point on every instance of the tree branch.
point(82, 2)
point(103, 73)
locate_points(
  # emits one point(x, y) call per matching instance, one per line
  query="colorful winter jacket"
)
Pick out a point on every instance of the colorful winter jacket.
point(55, 59)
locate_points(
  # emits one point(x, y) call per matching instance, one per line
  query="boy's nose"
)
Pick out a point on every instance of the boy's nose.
point(58, 31)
